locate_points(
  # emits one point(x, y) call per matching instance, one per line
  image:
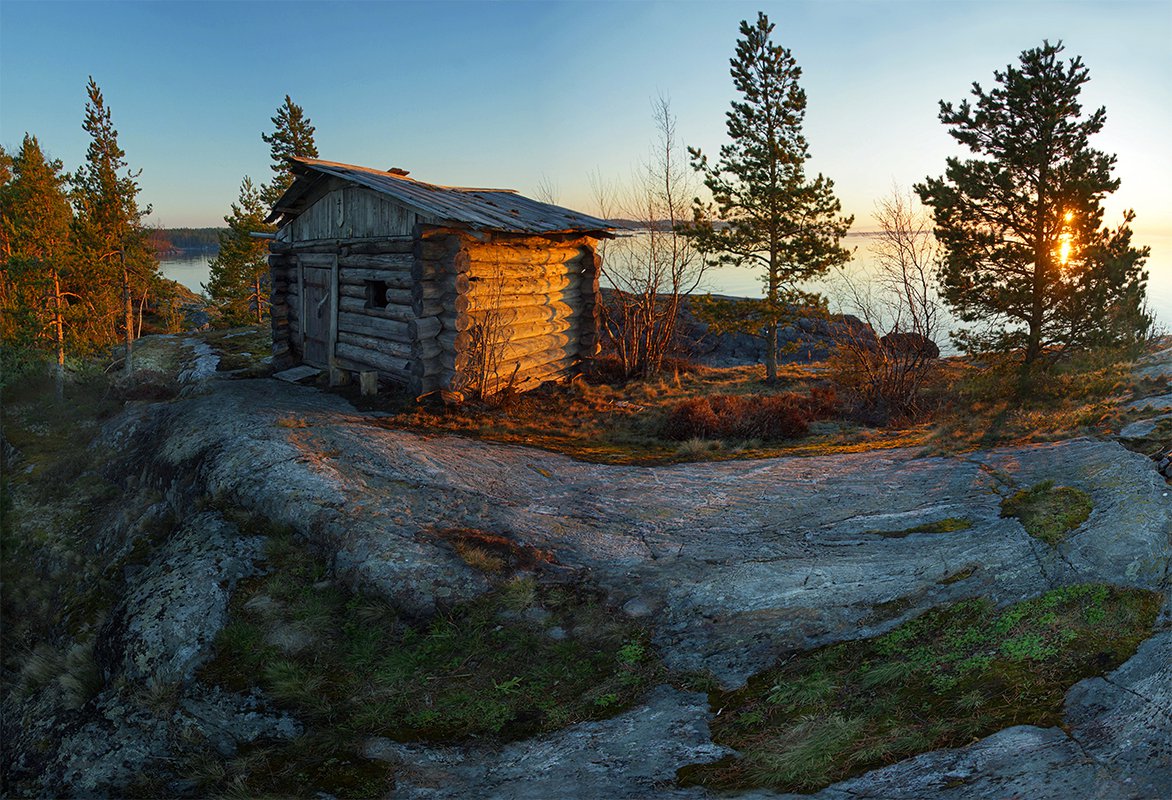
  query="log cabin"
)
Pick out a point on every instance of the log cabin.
point(432, 287)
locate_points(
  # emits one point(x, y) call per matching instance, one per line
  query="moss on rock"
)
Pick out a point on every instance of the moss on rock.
point(940, 680)
point(1048, 512)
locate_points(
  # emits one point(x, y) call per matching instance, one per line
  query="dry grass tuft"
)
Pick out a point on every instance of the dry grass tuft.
point(479, 558)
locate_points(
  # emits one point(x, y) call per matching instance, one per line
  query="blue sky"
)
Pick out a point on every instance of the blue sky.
point(503, 93)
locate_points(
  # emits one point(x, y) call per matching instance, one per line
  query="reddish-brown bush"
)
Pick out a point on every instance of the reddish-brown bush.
point(691, 419)
point(768, 418)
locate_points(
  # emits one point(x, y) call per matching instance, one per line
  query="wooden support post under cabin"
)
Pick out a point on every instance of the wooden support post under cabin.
point(339, 377)
point(368, 382)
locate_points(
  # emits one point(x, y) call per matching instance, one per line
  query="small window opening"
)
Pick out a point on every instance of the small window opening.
point(376, 294)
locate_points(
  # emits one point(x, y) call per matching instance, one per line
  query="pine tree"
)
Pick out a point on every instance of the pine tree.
point(35, 219)
point(777, 218)
point(292, 136)
point(5, 180)
point(1026, 256)
point(112, 243)
point(239, 274)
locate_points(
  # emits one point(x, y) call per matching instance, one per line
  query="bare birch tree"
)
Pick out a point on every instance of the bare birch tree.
point(888, 359)
point(651, 273)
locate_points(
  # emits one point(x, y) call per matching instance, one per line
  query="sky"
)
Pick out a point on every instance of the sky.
point(510, 94)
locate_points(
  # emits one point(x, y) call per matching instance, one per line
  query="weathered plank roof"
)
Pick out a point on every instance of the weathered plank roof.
point(478, 209)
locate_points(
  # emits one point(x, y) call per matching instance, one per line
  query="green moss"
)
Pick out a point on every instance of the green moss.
point(946, 525)
point(939, 680)
point(1048, 512)
point(958, 576)
point(492, 668)
point(242, 350)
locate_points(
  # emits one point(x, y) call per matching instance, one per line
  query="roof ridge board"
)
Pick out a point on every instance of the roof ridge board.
point(319, 162)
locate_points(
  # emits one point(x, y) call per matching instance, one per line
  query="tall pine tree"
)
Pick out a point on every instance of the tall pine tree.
point(114, 255)
point(35, 218)
point(777, 219)
point(1026, 255)
point(292, 136)
point(239, 275)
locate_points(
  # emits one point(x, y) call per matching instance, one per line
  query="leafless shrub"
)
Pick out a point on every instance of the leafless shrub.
point(886, 360)
point(488, 337)
point(767, 418)
point(650, 273)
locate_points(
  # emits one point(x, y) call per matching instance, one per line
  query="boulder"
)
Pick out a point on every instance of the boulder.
point(910, 343)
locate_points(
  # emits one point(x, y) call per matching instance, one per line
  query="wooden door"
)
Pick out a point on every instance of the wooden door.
point(319, 315)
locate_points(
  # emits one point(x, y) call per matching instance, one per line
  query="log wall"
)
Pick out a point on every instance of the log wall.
point(529, 308)
point(377, 337)
point(282, 272)
point(535, 296)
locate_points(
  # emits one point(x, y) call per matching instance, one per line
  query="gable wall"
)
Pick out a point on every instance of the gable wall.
point(350, 212)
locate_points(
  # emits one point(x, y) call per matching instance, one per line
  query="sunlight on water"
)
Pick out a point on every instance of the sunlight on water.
point(746, 282)
point(192, 272)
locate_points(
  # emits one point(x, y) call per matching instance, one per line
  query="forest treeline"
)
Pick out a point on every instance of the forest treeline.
point(169, 240)
point(78, 272)
point(79, 266)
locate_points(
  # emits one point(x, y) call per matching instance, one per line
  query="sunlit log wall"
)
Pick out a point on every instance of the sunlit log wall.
point(537, 294)
point(532, 299)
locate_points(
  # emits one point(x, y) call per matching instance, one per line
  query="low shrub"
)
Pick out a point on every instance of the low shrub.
point(884, 383)
point(768, 418)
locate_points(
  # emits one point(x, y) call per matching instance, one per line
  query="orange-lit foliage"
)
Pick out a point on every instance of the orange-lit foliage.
point(768, 418)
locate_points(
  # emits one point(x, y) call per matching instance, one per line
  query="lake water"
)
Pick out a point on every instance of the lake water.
point(191, 270)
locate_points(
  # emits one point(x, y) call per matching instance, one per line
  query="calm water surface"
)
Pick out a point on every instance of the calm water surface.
point(191, 270)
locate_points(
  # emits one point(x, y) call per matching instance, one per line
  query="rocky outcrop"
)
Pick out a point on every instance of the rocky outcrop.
point(633, 755)
point(168, 617)
point(731, 564)
point(806, 337)
point(124, 733)
point(908, 343)
point(741, 561)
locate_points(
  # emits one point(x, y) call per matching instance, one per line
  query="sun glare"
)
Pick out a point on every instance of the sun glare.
point(1065, 239)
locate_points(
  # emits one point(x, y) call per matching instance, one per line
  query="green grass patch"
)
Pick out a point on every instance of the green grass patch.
point(522, 660)
point(940, 680)
point(54, 586)
point(1048, 512)
point(996, 400)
